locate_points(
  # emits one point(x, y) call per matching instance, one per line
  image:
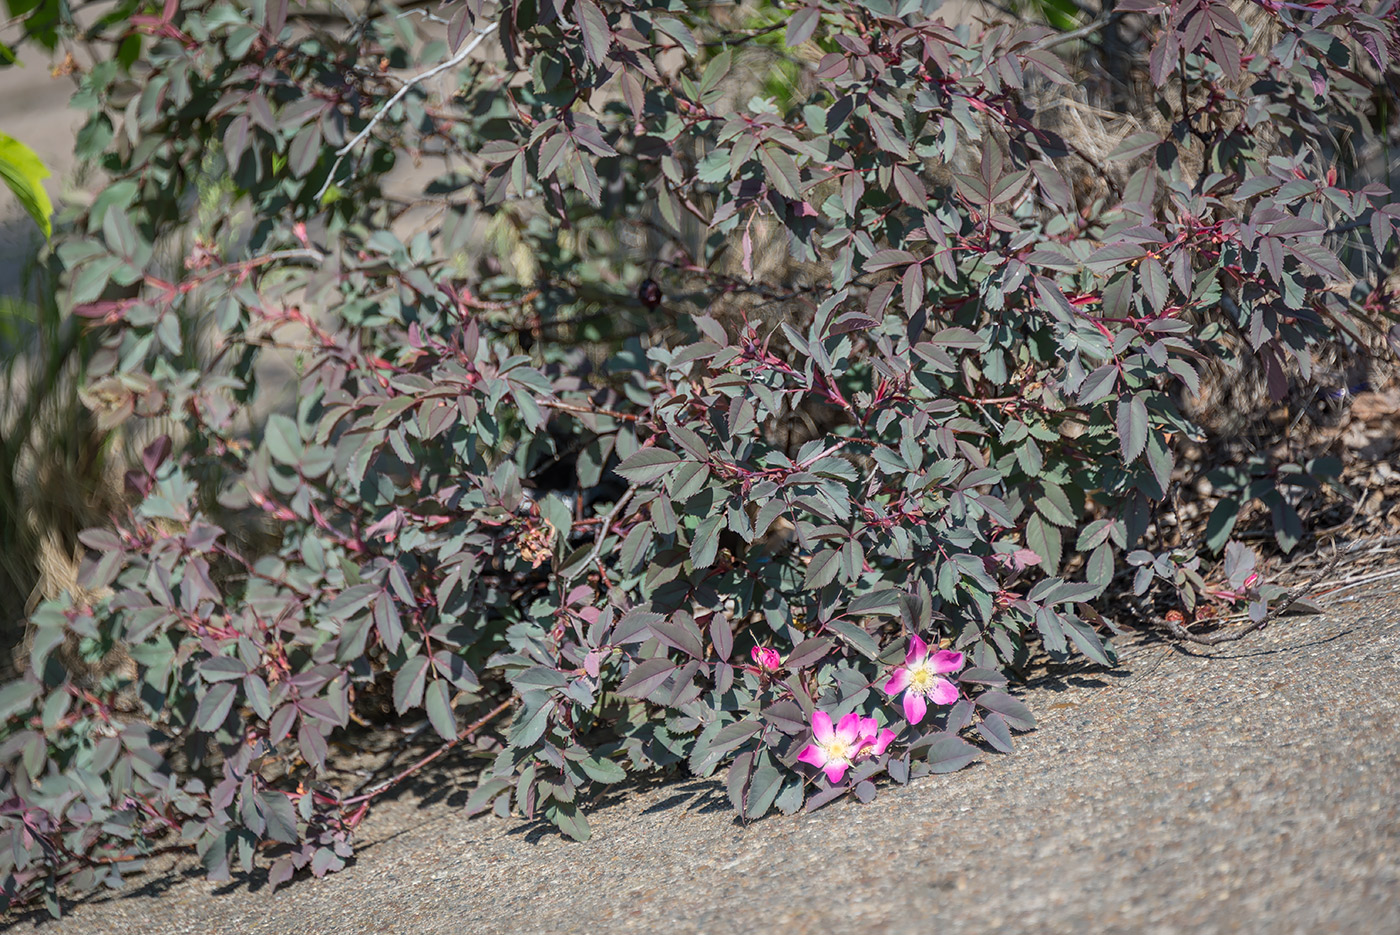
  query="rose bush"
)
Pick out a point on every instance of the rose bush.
point(632, 340)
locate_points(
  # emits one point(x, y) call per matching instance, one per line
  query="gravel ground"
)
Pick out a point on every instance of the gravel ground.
point(1253, 787)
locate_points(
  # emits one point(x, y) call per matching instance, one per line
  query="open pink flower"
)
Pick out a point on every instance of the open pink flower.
point(919, 679)
point(873, 738)
point(834, 748)
point(766, 659)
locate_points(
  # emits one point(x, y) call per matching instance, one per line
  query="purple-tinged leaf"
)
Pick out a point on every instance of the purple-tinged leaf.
point(648, 465)
point(215, 705)
point(949, 753)
point(993, 729)
point(646, 677)
point(409, 682)
point(597, 37)
point(438, 703)
point(1132, 427)
point(1012, 709)
point(801, 25)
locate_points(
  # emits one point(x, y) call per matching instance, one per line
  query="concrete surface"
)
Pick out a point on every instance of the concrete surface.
point(1253, 787)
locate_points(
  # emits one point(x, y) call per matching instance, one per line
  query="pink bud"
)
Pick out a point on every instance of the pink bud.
point(1252, 580)
point(767, 659)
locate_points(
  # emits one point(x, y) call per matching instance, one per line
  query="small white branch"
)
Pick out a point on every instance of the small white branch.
point(408, 85)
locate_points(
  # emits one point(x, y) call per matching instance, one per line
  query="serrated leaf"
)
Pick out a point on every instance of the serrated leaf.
point(593, 25)
point(570, 820)
point(603, 770)
point(648, 465)
point(1132, 427)
point(994, 729)
point(1009, 707)
point(858, 639)
point(215, 705)
point(283, 439)
point(948, 754)
point(481, 797)
point(646, 677)
point(409, 682)
point(823, 567)
point(438, 703)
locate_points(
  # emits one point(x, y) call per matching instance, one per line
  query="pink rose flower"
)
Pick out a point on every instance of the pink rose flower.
point(919, 679)
point(835, 748)
point(766, 659)
point(873, 738)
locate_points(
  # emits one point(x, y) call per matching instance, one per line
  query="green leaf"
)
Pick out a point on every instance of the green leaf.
point(1221, 523)
point(18, 697)
point(1132, 427)
point(949, 753)
point(570, 820)
point(883, 601)
point(1044, 540)
point(646, 677)
point(602, 770)
point(593, 24)
point(439, 706)
point(861, 641)
point(888, 137)
point(704, 544)
point(648, 465)
point(764, 786)
point(409, 682)
point(823, 567)
point(781, 171)
point(215, 705)
point(481, 797)
point(24, 173)
point(283, 439)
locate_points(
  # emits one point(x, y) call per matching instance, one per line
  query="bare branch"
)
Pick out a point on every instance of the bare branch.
point(408, 85)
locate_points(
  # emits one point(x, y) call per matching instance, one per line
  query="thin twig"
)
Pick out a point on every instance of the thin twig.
point(417, 79)
point(1049, 42)
point(584, 410)
point(1365, 579)
point(466, 732)
point(607, 524)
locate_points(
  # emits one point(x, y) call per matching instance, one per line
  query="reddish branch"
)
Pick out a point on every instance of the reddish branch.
point(364, 800)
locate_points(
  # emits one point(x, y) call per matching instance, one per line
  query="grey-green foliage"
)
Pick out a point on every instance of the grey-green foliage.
point(556, 520)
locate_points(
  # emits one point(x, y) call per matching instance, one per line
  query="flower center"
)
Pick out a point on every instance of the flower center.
point(921, 679)
point(836, 749)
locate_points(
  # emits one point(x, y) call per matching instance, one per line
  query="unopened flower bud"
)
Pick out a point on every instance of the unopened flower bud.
point(766, 659)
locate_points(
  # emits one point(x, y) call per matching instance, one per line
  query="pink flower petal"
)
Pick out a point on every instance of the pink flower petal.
point(848, 730)
point(881, 741)
point(821, 727)
point(899, 681)
point(918, 651)
point(914, 707)
point(835, 770)
point(812, 754)
point(944, 692)
point(945, 660)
